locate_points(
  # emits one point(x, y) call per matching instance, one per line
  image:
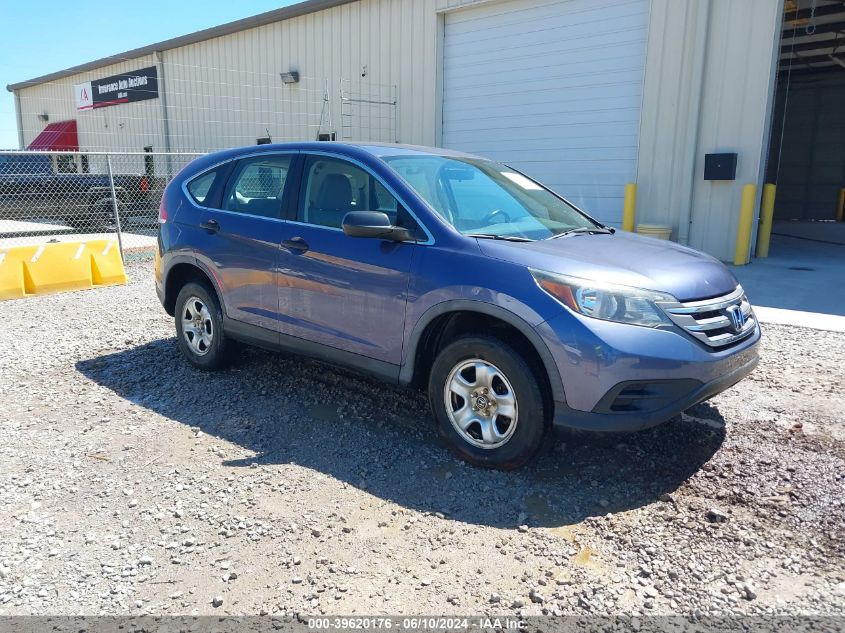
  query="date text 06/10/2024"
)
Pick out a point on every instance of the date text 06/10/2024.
point(420, 623)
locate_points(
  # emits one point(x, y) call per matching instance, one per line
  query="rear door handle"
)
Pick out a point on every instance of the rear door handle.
point(210, 225)
point(296, 244)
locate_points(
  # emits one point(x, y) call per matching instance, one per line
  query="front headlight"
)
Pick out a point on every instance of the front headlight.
point(606, 301)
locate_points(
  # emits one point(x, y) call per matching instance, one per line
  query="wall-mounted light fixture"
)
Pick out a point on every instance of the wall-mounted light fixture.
point(44, 117)
point(291, 77)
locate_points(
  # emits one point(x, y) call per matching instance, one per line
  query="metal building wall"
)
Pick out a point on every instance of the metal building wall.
point(226, 91)
point(709, 82)
point(708, 85)
point(127, 126)
point(233, 82)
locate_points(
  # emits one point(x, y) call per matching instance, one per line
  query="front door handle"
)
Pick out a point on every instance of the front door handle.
point(211, 226)
point(296, 244)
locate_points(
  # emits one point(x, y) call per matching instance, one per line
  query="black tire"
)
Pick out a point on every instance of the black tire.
point(219, 352)
point(531, 425)
point(99, 215)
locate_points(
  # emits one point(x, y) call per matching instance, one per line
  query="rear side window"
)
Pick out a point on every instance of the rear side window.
point(201, 185)
point(257, 186)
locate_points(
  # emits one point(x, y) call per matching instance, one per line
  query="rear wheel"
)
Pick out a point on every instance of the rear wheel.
point(99, 216)
point(487, 402)
point(199, 328)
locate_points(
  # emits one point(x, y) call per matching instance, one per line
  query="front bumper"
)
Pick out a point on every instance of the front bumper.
point(690, 393)
point(620, 377)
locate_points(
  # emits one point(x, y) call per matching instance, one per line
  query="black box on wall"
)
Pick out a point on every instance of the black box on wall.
point(720, 166)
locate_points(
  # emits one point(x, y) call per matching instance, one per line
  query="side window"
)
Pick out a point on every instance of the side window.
point(201, 185)
point(332, 187)
point(66, 164)
point(383, 200)
point(257, 185)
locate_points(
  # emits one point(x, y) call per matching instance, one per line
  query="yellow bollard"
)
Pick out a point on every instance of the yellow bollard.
point(746, 221)
point(840, 210)
point(630, 206)
point(767, 211)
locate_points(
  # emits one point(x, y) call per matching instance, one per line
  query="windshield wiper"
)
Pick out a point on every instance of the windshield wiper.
point(493, 236)
point(585, 230)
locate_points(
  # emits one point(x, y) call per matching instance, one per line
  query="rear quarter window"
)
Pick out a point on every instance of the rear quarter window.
point(200, 186)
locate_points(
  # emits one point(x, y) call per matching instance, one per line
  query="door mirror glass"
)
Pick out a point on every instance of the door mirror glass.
point(373, 224)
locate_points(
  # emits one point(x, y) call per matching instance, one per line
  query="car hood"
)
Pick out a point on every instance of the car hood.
point(622, 258)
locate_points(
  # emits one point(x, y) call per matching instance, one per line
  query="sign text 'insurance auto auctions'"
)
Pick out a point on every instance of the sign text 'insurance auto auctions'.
point(125, 88)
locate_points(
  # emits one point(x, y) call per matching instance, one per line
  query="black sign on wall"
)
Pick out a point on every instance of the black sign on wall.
point(124, 88)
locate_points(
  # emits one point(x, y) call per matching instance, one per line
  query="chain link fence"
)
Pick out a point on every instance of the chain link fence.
point(77, 196)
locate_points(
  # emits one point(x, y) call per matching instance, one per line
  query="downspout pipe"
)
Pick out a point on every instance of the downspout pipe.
point(19, 117)
point(162, 95)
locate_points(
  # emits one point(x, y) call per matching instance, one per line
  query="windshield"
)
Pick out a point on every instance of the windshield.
point(480, 197)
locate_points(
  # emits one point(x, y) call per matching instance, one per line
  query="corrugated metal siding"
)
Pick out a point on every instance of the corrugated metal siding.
point(131, 125)
point(552, 87)
point(226, 91)
point(734, 114)
point(706, 90)
point(669, 125)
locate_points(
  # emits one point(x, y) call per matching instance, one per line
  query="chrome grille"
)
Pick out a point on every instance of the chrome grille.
point(711, 320)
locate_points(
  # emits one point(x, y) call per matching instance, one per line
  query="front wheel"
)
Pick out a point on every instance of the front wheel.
point(487, 403)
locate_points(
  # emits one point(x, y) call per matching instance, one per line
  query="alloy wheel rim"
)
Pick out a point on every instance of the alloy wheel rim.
point(197, 327)
point(481, 403)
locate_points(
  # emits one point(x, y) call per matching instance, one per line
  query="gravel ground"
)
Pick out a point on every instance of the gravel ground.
point(130, 483)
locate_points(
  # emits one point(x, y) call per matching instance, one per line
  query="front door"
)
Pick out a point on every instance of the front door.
point(345, 292)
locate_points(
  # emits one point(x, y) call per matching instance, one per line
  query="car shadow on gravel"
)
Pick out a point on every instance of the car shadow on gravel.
point(286, 410)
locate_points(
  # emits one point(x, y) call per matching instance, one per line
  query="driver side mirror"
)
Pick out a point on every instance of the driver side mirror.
point(374, 224)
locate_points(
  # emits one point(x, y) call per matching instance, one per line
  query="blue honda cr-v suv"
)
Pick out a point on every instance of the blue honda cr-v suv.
point(426, 267)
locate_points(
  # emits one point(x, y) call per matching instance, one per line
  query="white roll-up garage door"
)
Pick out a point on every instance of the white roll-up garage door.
point(552, 87)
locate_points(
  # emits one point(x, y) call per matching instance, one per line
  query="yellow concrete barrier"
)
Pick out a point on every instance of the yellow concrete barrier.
point(767, 212)
point(746, 223)
point(106, 265)
point(58, 267)
point(11, 275)
point(629, 207)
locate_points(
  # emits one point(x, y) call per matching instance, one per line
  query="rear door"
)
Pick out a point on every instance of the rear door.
point(235, 226)
point(345, 292)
